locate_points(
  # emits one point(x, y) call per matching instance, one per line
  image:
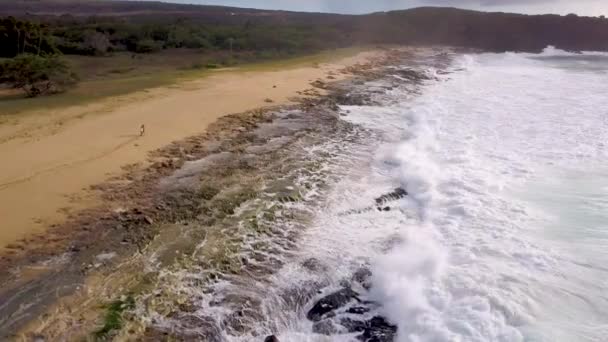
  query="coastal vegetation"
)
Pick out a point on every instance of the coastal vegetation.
point(76, 38)
point(37, 75)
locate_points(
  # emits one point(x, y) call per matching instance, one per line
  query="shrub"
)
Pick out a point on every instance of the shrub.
point(196, 42)
point(37, 75)
point(147, 46)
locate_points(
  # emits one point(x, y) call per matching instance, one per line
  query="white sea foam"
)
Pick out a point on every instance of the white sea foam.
point(504, 233)
point(482, 265)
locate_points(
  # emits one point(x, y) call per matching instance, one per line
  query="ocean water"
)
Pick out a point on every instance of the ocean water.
point(504, 234)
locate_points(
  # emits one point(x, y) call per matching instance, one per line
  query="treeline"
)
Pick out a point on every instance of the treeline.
point(97, 28)
point(105, 27)
point(101, 36)
point(33, 45)
point(22, 36)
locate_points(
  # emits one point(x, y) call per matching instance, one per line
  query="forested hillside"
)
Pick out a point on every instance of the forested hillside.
point(232, 35)
point(99, 27)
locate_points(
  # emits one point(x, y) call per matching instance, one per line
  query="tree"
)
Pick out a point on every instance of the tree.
point(37, 75)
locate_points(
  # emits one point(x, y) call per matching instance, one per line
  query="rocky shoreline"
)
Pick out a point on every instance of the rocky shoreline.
point(213, 209)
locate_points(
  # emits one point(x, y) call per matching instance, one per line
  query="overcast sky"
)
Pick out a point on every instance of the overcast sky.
point(581, 7)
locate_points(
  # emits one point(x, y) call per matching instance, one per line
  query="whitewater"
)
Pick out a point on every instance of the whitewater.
point(504, 233)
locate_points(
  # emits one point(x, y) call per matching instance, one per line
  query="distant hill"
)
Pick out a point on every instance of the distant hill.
point(490, 31)
point(421, 26)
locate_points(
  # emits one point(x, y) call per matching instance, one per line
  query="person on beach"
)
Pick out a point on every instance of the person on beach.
point(142, 130)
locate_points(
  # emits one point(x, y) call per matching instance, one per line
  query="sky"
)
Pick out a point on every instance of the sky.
point(580, 7)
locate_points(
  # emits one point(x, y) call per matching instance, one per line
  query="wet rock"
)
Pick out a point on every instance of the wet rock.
point(412, 75)
point(330, 303)
point(325, 327)
point(271, 338)
point(381, 202)
point(353, 325)
point(313, 265)
point(352, 99)
point(363, 277)
point(378, 330)
point(357, 310)
point(397, 194)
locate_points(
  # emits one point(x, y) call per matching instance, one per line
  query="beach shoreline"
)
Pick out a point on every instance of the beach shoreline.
point(132, 207)
point(51, 159)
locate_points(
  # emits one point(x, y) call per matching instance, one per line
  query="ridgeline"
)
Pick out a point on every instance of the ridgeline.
point(33, 33)
point(98, 27)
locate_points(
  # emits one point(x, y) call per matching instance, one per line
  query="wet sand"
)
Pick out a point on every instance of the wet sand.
point(50, 159)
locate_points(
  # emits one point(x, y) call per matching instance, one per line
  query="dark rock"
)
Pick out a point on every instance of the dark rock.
point(381, 202)
point(397, 194)
point(352, 99)
point(357, 310)
point(412, 75)
point(271, 338)
point(378, 330)
point(353, 325)
point(330, 303)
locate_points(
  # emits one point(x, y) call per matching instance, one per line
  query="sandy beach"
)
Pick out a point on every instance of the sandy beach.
point(51, 159)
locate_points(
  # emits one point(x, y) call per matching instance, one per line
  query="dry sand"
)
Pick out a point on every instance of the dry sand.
point(50, 159)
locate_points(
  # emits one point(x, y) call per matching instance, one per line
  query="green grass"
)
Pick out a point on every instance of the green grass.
point(101, 78)
point(307, 60)
point(84, 92)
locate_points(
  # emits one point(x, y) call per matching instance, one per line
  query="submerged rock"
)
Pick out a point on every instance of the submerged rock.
point(331, 303)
